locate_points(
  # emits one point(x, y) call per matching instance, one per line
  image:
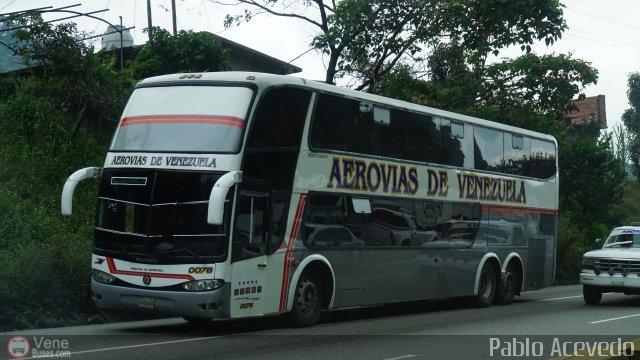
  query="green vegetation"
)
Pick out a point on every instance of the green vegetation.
point(55, 119)
point(367, 39)
point(188, 51)
point(631, 119)
point(44, 269)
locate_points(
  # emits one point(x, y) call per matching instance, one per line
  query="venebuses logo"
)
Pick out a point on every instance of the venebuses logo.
point(18, 347)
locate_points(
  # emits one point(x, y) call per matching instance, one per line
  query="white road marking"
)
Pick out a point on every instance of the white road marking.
point(408, 356)
point(561, 298)
point(613, 319)
point(139, 345)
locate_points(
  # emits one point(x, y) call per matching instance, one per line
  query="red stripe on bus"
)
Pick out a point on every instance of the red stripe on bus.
point(496, 209)
point(113, 270)
point(287, 257)
point(183, 119)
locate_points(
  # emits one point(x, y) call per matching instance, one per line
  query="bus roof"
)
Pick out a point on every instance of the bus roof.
point(263, 80)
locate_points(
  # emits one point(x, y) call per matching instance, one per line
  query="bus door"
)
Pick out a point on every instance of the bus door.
point(249, 250)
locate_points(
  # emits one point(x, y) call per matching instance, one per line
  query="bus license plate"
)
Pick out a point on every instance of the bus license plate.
point(147, 303)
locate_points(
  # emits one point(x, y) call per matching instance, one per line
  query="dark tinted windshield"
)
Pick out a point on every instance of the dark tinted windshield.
point(165, 216)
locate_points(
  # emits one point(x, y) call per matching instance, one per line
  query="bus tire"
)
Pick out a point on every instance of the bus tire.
point(487, 286)
point(307, 301)
point(507, 286)
point(591, 294)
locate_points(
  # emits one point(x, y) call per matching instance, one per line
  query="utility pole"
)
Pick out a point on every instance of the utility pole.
point(149, 23)
point(173, 12)
point(121, 46)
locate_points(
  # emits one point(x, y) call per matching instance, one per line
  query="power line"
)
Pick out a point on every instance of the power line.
point(9, 4)
point(637, 45)
point(606, 19)
point(299, 56)
point(603, 43)
point(101, 17)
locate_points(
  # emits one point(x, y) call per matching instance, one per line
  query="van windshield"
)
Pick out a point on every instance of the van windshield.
point(625, 238)
point(208, 119)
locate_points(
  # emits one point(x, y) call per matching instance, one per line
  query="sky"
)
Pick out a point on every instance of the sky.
point(604, 33)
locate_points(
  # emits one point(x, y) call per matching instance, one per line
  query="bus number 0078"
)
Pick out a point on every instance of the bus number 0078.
point(200, 270)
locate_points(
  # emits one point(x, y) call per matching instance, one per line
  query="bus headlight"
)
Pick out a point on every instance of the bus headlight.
point(203, 285)
point(587, 264)
point(101, 276)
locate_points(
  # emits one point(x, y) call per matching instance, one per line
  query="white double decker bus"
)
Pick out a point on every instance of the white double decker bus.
point(227, 195)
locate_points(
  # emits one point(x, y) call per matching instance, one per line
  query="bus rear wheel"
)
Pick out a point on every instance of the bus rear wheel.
point(507, 287)
point(487, 286)
point(307, 302)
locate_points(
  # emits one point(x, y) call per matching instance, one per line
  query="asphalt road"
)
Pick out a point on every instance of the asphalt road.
point(542, 324)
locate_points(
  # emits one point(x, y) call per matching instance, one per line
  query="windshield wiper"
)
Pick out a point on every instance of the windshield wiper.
point(117, 245)
point(167, 252)
point(619, 243)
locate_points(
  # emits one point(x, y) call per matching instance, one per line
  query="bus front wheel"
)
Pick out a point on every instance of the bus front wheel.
point(487, 286)
point(307, 302)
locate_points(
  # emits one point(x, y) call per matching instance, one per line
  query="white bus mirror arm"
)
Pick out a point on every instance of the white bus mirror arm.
point(215, 213)
point(66, 201)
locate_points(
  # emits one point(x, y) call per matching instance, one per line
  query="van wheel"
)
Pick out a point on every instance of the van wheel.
point(307, 302)
point(591, 294)
point(486, 287)
point(507, 287)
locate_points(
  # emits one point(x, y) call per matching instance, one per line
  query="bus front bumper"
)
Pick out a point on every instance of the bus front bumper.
point(206, 304)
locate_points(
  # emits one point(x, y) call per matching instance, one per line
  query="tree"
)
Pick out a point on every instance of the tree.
point(188, 51)
point(530, 91)
point(68, 89)
point(368, 38)
point(592, 178)
point(71, 73)
point(631, 119)
point(621, 140)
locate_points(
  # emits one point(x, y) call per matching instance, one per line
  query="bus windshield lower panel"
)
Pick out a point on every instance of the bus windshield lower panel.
point(159, 220)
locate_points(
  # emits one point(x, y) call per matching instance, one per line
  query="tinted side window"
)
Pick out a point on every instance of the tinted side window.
point(412, 136)
point(280, 119)
point(543, 159)
point(451, 144)
point(488, 149)
point(252, 232)
point(345, 124)
point(517, 150)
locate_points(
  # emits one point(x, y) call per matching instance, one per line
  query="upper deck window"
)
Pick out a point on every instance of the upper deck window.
point(184, 119)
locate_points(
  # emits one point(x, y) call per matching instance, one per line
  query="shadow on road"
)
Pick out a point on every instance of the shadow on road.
point(248, 326)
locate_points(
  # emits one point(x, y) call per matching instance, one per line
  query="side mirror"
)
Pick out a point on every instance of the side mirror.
point(215, 212)
point(597, 244)
point(66, 202)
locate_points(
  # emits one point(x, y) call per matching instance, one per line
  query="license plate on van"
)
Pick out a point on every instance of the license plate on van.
point(147, 302)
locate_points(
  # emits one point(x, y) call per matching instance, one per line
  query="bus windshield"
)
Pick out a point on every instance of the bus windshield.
point(208, 119)
point(167, 218)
